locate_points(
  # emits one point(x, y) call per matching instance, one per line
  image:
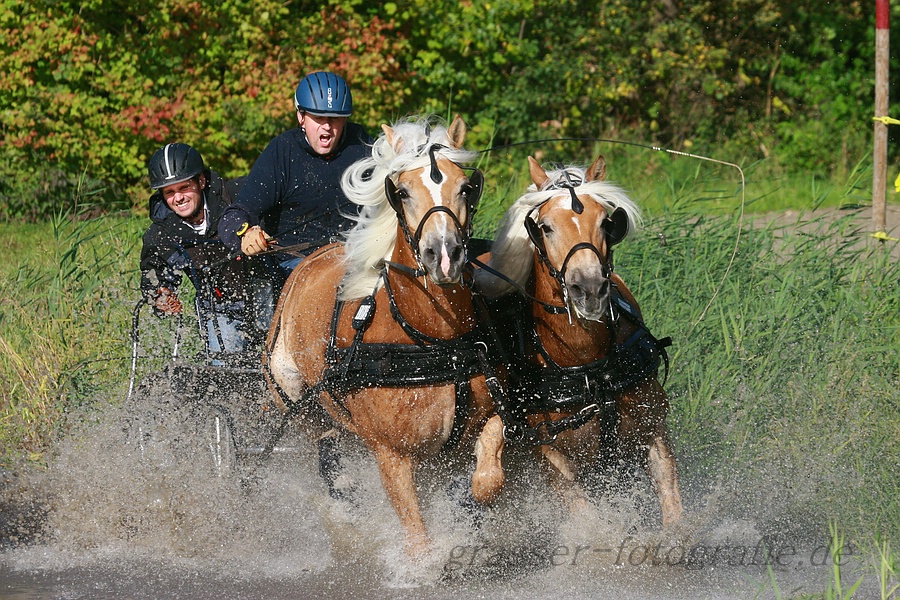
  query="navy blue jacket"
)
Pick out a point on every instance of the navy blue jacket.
point(169, 238)
point(295, 194)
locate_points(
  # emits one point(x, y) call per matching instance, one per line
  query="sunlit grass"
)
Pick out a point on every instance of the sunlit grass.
point(65, 299)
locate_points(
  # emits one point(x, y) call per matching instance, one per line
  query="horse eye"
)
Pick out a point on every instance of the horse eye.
point(545, 228)
point(402, 193)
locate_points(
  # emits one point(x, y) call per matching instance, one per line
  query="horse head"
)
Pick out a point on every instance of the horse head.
point(435, 202)
point(574, 228)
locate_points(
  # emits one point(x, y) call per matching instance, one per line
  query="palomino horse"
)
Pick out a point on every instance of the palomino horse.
point(381, 330)
point(587, 380)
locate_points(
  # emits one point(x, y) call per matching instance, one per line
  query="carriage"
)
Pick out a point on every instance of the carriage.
point(187, 397)
point(402, 291)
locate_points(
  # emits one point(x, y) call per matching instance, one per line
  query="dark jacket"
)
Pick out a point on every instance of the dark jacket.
point(295, 194)
point(169, 239)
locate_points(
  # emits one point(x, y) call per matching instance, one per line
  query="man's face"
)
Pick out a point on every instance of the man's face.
point(185, 198)
point(322, 133)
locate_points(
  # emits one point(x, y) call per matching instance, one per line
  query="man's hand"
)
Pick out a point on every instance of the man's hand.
point(254, 241)
point(167, 302)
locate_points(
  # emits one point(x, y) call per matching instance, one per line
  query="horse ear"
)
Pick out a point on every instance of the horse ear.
point(389, 135)
point(538, 174)
point(457, 132)
point(615, 226)
point(597, 171)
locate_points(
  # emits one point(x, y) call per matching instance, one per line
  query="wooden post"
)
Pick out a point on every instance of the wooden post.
point(882, 57)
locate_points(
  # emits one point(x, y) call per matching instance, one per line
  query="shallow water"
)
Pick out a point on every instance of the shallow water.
point(121, 513)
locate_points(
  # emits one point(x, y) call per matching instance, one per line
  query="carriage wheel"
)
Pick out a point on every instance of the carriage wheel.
point(166, 429)
point(216, 431)
point(153, 423)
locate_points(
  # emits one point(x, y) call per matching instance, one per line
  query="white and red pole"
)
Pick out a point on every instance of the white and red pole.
point(882, 58)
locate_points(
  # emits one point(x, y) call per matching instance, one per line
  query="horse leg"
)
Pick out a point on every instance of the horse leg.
point(642, 428)
point(331, 466)
point(398, 478)
point(488, 478)
point(663, 473)
point(569, 459)
point(561, 473)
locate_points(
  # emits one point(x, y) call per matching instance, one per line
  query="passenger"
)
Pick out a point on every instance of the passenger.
point(293, 195)
point(183, 238)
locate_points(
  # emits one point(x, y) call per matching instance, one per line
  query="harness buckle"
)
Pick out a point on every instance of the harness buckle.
point(614, 313)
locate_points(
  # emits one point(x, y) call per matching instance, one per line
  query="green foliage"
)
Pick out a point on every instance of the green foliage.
point(90, 90)
point(99, 88)
point(63, 322)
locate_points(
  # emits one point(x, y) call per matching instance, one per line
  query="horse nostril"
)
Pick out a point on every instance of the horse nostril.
point(456, 253)
point(429, 253)
point(576, 291)
point(604, 287)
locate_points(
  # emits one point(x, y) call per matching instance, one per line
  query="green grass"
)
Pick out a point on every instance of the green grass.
point(65, 300)
point(785, 366)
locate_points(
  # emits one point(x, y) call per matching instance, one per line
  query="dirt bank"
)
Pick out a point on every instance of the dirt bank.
point(857, 224)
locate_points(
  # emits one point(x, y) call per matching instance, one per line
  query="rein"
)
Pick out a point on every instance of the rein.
point(553, 309)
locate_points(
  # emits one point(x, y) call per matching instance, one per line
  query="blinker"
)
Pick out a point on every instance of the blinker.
point(390, 190)
point(476, 181)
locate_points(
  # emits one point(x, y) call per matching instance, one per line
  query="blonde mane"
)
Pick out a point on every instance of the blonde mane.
point(512, 251)
point(371, 241)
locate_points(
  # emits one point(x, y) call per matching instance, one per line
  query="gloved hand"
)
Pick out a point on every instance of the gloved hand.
point(254, 241)
point(167, 302)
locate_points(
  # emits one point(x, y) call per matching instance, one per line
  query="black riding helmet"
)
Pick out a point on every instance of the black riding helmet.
point(174, 163)
point(324, 94)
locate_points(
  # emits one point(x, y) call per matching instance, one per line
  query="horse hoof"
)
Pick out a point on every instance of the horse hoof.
point(460, 493)
point(487, 482)
point(340, 486)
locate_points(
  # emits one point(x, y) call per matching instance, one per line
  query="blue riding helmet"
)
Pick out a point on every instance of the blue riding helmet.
point(324, 94)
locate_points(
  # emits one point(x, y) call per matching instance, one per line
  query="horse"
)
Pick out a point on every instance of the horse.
point(380, 330)
point(585, 365)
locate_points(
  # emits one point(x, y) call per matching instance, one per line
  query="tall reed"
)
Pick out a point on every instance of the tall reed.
point(63, 323)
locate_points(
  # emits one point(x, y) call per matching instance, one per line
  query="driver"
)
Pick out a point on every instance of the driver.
point(293, 195)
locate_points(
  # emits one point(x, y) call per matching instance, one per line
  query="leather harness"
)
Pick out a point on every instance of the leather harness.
point(426, 361)
point(584, 390)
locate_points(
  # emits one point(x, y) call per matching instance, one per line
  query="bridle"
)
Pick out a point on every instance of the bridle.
point(611, 225)
point(472, 191)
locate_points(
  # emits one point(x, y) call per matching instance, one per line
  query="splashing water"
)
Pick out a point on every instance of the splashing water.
point(135, 505)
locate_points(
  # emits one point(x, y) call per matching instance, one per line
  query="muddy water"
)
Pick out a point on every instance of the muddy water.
point(124, 515)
